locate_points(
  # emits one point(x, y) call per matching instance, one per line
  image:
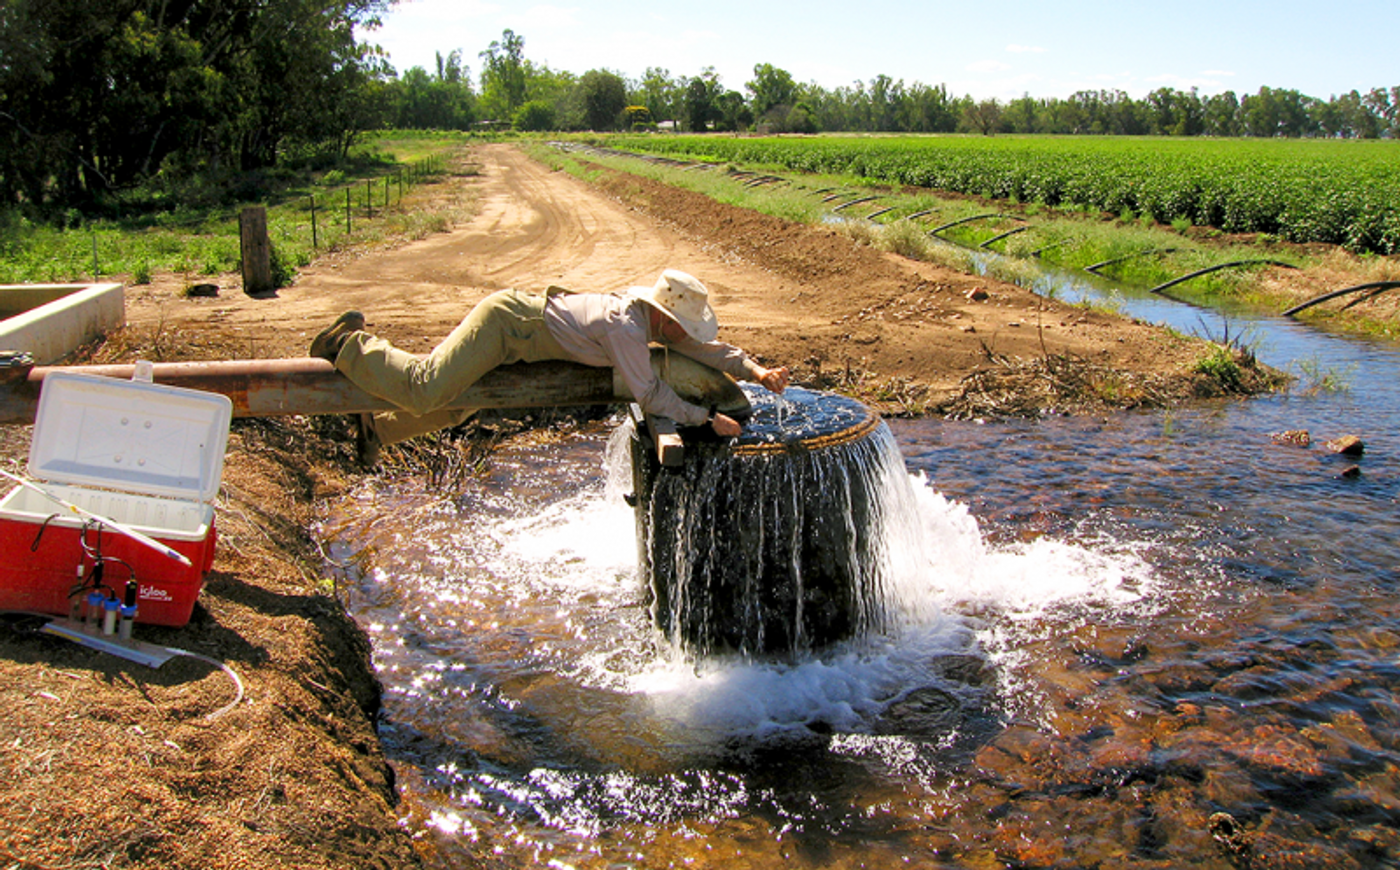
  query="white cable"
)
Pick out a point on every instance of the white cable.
point(103, 644)
point(233, 675)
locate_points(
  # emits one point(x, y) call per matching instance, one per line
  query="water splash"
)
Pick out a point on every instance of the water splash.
point(570, 566)
point(535, 708)
point(776, 542)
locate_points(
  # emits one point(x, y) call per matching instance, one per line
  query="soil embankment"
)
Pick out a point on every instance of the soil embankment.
point(106, 763)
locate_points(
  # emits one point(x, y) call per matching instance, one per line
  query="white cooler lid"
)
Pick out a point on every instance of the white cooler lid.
point(132, 436)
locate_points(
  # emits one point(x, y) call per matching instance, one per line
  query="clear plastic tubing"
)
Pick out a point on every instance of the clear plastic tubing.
point(77, 605)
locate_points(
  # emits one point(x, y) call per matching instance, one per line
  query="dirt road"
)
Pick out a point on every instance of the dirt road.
point(793, 294)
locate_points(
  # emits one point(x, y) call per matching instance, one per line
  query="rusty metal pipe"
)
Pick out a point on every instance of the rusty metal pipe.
point(279, 387)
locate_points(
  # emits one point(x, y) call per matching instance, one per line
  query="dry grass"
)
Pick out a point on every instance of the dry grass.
point(1055, 384)
point(908, 239)
point(104, 763)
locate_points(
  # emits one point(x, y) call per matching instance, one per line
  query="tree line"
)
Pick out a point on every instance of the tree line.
point(515, 93)
point(162, 103)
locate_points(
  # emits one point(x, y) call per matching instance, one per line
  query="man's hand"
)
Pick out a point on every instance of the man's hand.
point(726, 427)
point(774, 380)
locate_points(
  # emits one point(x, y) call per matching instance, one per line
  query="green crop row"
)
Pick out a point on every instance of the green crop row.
point(1335, 192)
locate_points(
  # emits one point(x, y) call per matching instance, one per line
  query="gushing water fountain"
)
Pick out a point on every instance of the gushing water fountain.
point(774, 542)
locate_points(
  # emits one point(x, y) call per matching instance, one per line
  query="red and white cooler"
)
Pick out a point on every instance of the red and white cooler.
point(146, 456)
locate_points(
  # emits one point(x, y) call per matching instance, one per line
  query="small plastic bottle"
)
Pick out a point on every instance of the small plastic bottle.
point(128, 610)
point(93, 618)
point(109, 615)
point(128, 614)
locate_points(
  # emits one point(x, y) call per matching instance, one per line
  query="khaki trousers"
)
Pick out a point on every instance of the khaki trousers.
point(506, 327)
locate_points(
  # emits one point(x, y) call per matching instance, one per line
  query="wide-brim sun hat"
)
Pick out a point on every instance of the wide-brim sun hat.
point(685, 300)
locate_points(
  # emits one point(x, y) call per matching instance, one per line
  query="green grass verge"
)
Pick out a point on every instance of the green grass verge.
point(308, 214)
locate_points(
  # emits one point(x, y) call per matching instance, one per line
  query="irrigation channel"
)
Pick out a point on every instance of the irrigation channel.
point(1153, 639)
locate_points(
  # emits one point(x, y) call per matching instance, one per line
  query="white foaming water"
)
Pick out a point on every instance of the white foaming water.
point(585, 543)
point(1022, 581)
point(952, 593)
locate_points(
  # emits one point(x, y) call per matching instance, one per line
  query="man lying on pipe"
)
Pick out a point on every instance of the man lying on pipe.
point(596, 329)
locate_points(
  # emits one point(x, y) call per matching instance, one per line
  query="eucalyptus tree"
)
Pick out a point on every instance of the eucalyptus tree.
point(983, 116)
point(604, 96)
point(928, 109)
point(1221, 115)
point(504, 75)
point(423, 101)
point(662, 95)
point(1024, 115)
point(773, 90)
point(732, 112)
point(701, 101)
point(1385, 105)
point(105, 95)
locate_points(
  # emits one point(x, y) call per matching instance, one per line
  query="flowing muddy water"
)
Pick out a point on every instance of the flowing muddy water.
point(1144, 640)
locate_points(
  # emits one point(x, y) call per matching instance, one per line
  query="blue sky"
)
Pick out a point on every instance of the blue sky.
point(981, 48)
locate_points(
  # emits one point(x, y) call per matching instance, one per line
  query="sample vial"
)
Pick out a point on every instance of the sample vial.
point(93, 618)
point(109, 616)
point(128, 611)
point(128, 614)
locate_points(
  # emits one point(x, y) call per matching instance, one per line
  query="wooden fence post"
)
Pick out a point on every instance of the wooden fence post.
point(314, 245)
point(255, 250)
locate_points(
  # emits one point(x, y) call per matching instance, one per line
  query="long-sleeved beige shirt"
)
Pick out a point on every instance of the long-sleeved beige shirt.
point(609, 329)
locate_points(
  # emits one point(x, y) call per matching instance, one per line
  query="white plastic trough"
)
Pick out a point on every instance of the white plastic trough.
point(50, 321)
